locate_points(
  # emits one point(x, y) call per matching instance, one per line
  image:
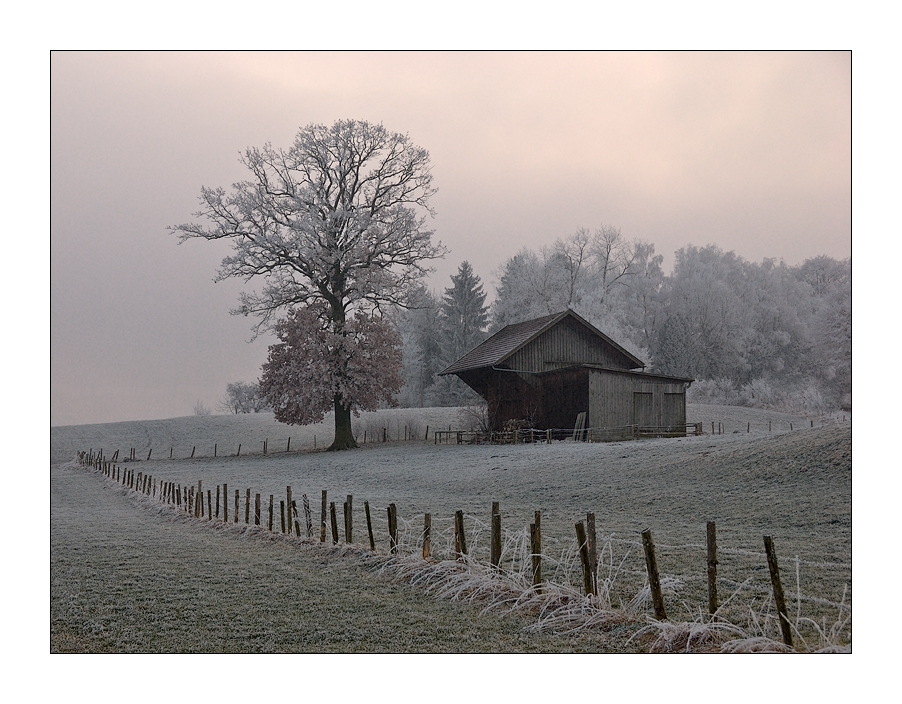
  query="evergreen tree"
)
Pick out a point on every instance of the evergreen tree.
point(464, 313)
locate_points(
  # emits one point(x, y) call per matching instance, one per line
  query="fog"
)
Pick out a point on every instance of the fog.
point(749, 151)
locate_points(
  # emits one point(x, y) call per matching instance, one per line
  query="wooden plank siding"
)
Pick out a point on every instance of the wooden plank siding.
point(564, 345)
point(617, 400)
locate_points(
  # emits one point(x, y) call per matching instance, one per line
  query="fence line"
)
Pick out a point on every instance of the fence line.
point(471, 436)
point(462, 538)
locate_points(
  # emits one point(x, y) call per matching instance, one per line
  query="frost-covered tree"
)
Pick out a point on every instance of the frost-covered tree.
point(706, 322)
point(464, 313)
point(831, 324)
point(337, 219)
point(243, 398)
point(312, 363)
point(421, 333)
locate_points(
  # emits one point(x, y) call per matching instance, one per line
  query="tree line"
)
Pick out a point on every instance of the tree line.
point(760, 334)
point(335, 228)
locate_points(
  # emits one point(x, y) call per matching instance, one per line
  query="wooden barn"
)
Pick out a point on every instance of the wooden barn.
point(550, 370)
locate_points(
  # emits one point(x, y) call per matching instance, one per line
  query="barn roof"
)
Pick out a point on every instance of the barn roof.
point(612, 370)
point(514, 337)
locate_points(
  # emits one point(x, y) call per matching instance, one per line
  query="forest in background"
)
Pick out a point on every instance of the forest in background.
point(765, 335)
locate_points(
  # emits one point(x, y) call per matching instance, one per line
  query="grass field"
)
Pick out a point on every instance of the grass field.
point(128, 575)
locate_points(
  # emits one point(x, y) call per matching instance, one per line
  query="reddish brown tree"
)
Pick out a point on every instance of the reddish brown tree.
point(317, 367)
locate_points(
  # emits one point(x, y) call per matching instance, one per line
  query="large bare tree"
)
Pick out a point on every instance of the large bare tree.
point(340, 217)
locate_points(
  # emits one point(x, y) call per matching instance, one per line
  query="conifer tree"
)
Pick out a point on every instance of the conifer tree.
point(464, 313)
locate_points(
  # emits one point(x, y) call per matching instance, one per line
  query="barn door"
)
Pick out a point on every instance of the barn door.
point(675, 411)
point(643, 410)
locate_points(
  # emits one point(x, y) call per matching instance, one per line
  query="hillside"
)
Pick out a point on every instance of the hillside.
point(795, 486)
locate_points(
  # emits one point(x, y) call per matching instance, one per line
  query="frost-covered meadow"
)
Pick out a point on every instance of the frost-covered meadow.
point(757, 478)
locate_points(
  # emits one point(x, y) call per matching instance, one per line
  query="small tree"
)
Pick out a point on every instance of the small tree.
point(200, 409)
point(312, 364)
point(243, 398)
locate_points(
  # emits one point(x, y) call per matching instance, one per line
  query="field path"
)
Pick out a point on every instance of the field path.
point(124, 579)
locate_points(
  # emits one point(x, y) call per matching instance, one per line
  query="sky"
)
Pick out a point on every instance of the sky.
point(750, 151)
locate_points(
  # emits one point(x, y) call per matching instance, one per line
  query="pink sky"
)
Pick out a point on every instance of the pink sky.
point(749, 151)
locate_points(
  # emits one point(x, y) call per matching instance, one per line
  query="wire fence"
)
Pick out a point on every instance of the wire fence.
point(464, 554)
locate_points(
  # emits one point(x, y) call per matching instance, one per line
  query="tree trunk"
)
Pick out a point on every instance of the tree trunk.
point(344, 437)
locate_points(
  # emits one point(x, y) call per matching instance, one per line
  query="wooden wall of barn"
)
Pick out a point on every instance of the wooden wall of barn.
point(617, 400)
point(508, 394)
point(567, 343)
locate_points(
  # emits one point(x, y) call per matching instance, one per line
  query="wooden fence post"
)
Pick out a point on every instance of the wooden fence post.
point(307, 517)
point(535, 548)
point(334, 519)
point(288, 449)
point(322, 520)
point(349, 519)
point(369, 525)
point(461, 536)
point(427, 535)
point(237, 502)
point(282, 512)
point(271, 497)
point(712, 568)
point(344, 518)
point(392, 528)
point(496, 534)
point(209, 505)
point(654, 581)
point(247, 507)
point(288, 505)
point(257, 510)
point(592, 546)
point(217, 500)
point(584, 557)
point(785, 626)
point(239, 450)
point(192, 450)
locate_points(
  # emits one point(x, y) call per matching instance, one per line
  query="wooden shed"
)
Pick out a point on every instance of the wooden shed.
point(550, 370)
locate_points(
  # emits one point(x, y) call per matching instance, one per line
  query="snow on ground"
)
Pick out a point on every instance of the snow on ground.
point(793, 485)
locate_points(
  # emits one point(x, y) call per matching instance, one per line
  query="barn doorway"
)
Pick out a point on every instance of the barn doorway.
point(643, 409)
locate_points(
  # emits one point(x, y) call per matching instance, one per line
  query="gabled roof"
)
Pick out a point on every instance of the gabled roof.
point(512, 338)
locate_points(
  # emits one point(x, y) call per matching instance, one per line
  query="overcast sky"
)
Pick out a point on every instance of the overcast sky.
point(749, 151)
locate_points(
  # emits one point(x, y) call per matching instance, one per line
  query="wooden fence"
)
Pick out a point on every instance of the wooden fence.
point(530, 559)
point(458, 437)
